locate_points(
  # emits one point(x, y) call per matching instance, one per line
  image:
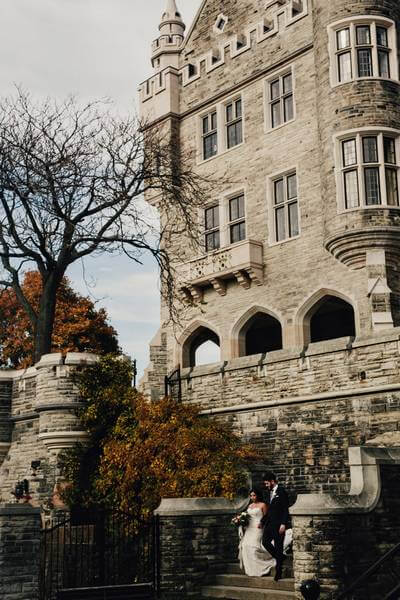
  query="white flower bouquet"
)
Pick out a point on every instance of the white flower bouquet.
point(241, 520)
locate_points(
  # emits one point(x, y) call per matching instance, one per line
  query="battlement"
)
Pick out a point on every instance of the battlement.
point(287, 12)
point(159, 95)
point(165, 43)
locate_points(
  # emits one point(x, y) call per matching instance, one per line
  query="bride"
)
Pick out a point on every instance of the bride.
point(255, 561)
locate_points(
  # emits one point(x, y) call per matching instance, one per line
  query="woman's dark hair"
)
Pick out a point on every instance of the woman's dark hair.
point(258, 492)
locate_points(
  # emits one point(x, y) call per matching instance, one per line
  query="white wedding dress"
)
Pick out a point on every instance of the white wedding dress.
point(255, 561)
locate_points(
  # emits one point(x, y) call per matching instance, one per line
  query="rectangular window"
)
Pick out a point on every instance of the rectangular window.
point(370, 149)
point(389, 147)
point(363, 35)
point(392, 187)
point(383, 64)
point(382, 37)
point(345, 67)
point(364, 62)
point(372, 186)
point(349, 153)
point(237, 220)
point(234, 126)
point(212, 238)
point(210, 135)
point(343, 39)
point(285, 205)
point(351, 189)
point(281, 100)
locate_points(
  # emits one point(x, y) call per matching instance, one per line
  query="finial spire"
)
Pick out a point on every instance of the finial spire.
point(171, 14)
point(172, 30)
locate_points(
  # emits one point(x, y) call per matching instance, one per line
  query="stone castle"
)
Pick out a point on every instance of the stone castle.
point(297, 283)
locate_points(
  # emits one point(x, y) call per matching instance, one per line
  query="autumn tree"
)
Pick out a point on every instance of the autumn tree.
point(140, 451)
point(79, 326)
point(72, 180)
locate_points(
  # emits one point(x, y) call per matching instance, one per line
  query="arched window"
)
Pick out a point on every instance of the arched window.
point(262, 333)
point(201, 347)
point(331, 318)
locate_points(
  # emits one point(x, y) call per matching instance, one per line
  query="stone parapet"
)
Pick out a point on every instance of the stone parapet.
point(322, 370)
point(195, 535)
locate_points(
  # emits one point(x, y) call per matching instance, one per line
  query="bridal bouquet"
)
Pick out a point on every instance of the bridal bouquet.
point(241, 520)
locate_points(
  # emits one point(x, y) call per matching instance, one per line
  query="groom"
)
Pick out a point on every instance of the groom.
point(275, 521)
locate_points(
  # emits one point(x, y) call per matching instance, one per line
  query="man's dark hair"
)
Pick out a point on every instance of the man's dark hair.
point(269, 476)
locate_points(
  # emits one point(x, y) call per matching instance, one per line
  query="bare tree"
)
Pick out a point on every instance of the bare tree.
point(72, 181)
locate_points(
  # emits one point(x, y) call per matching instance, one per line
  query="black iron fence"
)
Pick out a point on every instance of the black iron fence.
point(97, 548)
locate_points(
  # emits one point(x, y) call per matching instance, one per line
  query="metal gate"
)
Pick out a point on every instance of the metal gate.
point(97, 548)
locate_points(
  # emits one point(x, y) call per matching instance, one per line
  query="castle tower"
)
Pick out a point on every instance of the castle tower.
point(356, 60)
point(165, 49)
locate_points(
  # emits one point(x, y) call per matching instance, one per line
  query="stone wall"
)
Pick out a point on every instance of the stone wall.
point(337, 538)
point(303, 410)
point(20, 527)
point(195, 537)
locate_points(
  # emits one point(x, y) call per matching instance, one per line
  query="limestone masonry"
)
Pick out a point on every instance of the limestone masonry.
point(296, 103)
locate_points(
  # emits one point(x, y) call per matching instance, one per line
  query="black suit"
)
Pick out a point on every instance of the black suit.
point(277, 515)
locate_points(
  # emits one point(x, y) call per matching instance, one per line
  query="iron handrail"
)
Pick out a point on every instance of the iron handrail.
point(171, 380)
point(371, 571)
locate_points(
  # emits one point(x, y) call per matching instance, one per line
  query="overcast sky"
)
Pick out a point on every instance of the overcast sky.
point(94, 49)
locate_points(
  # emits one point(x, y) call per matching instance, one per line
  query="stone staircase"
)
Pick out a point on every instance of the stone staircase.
point(230, 583)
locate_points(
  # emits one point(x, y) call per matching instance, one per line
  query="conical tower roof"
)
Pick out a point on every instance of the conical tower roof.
point(172, 14)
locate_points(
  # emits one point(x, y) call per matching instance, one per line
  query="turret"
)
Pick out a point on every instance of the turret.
point(356, 60)
point(165, 49)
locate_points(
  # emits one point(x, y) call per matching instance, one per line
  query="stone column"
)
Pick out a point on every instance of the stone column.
point(195, 535)
point(20, 526)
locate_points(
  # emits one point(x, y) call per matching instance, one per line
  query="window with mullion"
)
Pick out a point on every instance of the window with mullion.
point(237, 219)
point(281, 100)
point(210, 135)
point(285, 206)
point(211, 226)
point(234, 123)
point(363, 50)
point(370, 171)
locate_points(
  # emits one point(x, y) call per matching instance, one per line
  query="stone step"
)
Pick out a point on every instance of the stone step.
point(265, 583)
point(245, 593)
point(234, 569)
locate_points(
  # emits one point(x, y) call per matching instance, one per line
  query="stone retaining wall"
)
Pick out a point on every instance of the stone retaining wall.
point(19, 552)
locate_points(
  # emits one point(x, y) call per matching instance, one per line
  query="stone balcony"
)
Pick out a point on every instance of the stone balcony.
point(242, 261)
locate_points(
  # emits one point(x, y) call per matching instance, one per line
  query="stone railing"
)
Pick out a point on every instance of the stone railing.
point(242, 261)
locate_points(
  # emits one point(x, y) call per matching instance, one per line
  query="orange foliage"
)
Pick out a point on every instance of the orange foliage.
point(78, 325)
point(171, 452)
